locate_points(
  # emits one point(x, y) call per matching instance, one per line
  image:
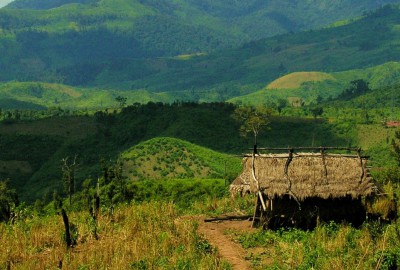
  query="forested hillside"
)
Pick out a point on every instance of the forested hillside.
point(364, 43)
point(130, 45)
point(107, 135)
point(249, 20)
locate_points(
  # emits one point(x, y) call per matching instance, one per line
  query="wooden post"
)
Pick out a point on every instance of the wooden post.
point(225, 180)
point(68, 240)
point(262, 201)
point(256, 212)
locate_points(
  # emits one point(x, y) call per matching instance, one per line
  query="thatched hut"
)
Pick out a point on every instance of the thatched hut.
point(298, 189)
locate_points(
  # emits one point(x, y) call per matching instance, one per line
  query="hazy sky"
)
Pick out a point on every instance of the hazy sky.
point(4, 2)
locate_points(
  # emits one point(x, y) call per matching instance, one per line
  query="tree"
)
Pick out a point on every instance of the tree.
point(114, 181)
point(68, 168)
point(253, 120)
point(318, 99)
point(317, 111)
point(357, 88)
point(281, 104)
point(121, 101)
point(8, 201)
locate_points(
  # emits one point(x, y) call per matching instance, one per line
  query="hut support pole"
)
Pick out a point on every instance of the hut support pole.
point(253, 172)
point(262, 201)
point(259, 210)
point(256, 214)
point(361, 164)
point(260, 198)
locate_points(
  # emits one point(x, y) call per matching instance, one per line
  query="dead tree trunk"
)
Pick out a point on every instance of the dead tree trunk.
point(68, 239)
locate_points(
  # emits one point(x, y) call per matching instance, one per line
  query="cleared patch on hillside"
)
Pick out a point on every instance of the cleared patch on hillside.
point(296, 79)
point(63, 89)
point(189, 56)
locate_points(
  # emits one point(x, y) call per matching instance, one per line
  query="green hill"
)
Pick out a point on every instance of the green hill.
point(309, 86)
point(364, 43)
point(163, 158)
point(297, 79)
point(257, 64)
point(38, 95)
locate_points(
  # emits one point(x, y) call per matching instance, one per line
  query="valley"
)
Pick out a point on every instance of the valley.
point(123, 124)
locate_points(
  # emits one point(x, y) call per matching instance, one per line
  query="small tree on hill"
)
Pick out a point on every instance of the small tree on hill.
point(121, 101)
point(8, 201)
point(253, 120)
point(357, 88)
point(281, 104)
point(68, 169)
point(317, 111)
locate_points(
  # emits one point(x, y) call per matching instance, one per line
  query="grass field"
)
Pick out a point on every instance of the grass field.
point(159, 235)
point(145, 236)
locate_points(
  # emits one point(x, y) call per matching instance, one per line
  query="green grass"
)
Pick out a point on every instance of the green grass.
point(185, 193)
point(338, 246)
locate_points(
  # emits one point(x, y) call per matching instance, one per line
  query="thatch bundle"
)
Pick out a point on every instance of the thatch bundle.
point(305, 175)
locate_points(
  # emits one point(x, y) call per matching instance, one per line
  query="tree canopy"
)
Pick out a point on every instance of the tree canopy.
point(253, 119)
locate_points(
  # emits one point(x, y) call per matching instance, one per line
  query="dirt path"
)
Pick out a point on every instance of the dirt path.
point(230, 251)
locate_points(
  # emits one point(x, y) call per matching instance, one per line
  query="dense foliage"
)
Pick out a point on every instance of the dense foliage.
point(107, 134)
point(8, 201)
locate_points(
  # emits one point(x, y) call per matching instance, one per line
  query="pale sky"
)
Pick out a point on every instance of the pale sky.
point(4, 2)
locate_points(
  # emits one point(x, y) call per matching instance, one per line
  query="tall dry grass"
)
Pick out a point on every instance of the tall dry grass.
point(146, 236)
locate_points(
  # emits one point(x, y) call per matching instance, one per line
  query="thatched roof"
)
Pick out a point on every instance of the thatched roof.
point(304, 175)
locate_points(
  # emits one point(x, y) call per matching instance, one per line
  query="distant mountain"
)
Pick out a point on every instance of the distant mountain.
point(45, 4)
point(169, 47)
point(248, 20)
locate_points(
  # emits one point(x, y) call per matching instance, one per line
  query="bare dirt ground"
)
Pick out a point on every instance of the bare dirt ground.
point(230, 251)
